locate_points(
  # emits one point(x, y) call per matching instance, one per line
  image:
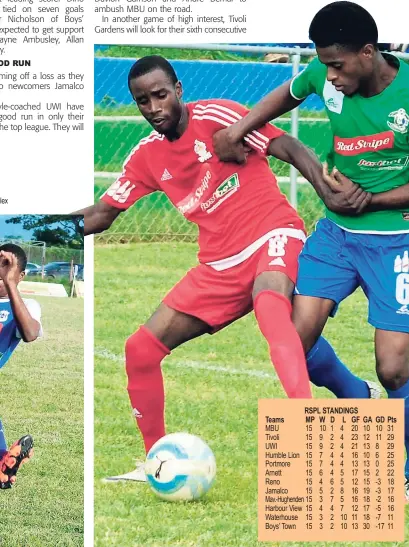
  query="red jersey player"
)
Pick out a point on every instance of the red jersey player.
point(249, 235)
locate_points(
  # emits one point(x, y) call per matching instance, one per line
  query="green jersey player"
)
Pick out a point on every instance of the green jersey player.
point(364, 242)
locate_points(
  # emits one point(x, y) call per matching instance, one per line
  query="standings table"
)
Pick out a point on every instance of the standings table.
point(331, 470)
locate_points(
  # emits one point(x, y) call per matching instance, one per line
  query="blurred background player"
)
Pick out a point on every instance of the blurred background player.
point(249, 235)
point(366, 96)
point(19, 319)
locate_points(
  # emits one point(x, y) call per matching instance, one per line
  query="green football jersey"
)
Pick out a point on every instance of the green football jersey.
point(370, 140)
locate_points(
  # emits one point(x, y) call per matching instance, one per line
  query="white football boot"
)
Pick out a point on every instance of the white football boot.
point(137, 475)
point(375, 391)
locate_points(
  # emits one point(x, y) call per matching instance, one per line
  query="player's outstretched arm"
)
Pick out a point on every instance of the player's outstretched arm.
point(398, 198)
point(98, 217)
point(228, 142)
point(28, 327)
point(347, 199)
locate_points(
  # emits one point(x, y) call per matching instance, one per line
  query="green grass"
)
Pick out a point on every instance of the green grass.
point(130, 281)
point(42, 394)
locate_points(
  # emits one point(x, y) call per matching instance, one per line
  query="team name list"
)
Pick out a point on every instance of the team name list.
point(331, 467)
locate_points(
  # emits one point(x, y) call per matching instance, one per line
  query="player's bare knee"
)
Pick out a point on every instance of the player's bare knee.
point(392, 370)
point(309, 317)
point(163, 324)
point(173, 328)
point(273, 281)
point(392, 358)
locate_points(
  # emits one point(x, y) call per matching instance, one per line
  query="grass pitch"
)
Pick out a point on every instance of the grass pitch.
point(212, 384)
point(42, 394)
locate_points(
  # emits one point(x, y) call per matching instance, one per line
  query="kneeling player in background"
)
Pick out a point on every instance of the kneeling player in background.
point(19, 319)
point(249, 235)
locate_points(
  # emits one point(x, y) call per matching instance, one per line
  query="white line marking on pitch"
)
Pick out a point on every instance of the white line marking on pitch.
point(198, 365)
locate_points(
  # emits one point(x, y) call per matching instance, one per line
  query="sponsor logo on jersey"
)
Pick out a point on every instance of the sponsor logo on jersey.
point(400, 121)
point(192, 200)
point(166, 175)
point(405, 216)
point(333, 99)
point(222, 192)
point(403, 310)
point(119, 191)
point(401, 264)
point(359, 145)
point(331, 103)
point(385, 165)
point(200, 150)
point(4, 315)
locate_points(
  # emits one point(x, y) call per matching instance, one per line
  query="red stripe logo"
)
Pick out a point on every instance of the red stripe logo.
point(360, 145)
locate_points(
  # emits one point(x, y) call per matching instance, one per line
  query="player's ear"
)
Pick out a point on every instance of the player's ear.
point(368, 50)
point(179, 89)
point(22, 276)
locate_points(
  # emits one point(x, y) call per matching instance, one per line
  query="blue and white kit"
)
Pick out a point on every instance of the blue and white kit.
point(334, 262)
point(9, 335)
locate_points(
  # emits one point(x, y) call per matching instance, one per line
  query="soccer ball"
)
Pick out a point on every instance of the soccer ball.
point(179, 467)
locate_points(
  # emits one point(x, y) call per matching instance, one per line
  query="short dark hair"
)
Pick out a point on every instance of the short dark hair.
point(148, 64)
point(343, 23)
point(18, 252)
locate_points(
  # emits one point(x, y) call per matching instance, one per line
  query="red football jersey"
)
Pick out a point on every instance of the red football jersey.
point(233, 205)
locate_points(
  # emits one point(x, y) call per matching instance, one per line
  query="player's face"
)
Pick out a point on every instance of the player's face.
point(347, 70)
point(18, 276)
point(158, 100)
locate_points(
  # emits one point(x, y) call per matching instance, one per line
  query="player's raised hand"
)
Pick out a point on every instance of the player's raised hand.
point(345, 197)
point(228, 148)
point(8, 266)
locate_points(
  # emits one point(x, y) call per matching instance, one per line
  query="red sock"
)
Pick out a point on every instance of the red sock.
point(273, 313)
point(144, 353)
